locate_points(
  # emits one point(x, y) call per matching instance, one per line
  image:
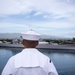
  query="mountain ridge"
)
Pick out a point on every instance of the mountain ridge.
point(18, 35)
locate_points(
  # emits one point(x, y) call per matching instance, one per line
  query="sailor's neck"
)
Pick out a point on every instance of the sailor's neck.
point(29, 47)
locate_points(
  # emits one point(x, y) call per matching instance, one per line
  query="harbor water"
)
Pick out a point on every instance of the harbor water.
point(63, 61)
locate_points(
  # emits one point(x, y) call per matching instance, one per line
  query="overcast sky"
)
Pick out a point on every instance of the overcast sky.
point(50, 17)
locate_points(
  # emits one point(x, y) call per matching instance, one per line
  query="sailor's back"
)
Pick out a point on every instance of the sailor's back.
point(29, 62)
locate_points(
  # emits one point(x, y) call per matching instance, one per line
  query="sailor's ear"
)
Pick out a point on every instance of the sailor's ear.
point(37, 43)
point(23, 41)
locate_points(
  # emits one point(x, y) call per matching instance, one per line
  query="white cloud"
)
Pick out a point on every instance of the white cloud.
point(55, 8)
point(47, 28)
point(46, 16)
point(34, 26)
point(37, 13)
point(13, 27)
point(9, 7)
point(53, 24)
point(68, 0)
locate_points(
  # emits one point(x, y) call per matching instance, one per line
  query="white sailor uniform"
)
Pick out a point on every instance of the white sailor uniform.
point(29, 62)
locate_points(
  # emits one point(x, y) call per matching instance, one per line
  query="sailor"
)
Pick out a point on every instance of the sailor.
point(30, 61)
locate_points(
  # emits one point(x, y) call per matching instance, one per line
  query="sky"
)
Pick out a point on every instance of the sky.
point(48, 17)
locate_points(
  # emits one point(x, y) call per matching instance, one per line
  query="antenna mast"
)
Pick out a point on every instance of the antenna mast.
point(30, 27)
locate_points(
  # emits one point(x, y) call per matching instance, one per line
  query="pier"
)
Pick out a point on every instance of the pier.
point(67, 47)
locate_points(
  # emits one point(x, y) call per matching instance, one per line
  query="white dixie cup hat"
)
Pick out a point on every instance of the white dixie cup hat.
point(31, 35)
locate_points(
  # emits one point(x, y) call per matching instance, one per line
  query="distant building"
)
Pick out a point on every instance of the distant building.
point(1, 42)
point(53, 43)
point(43, 42)
point(15, 41)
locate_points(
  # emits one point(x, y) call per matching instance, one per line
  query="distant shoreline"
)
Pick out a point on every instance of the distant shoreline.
point(67, 47)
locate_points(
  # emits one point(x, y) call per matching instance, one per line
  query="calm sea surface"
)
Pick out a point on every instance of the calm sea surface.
point(64, 62)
